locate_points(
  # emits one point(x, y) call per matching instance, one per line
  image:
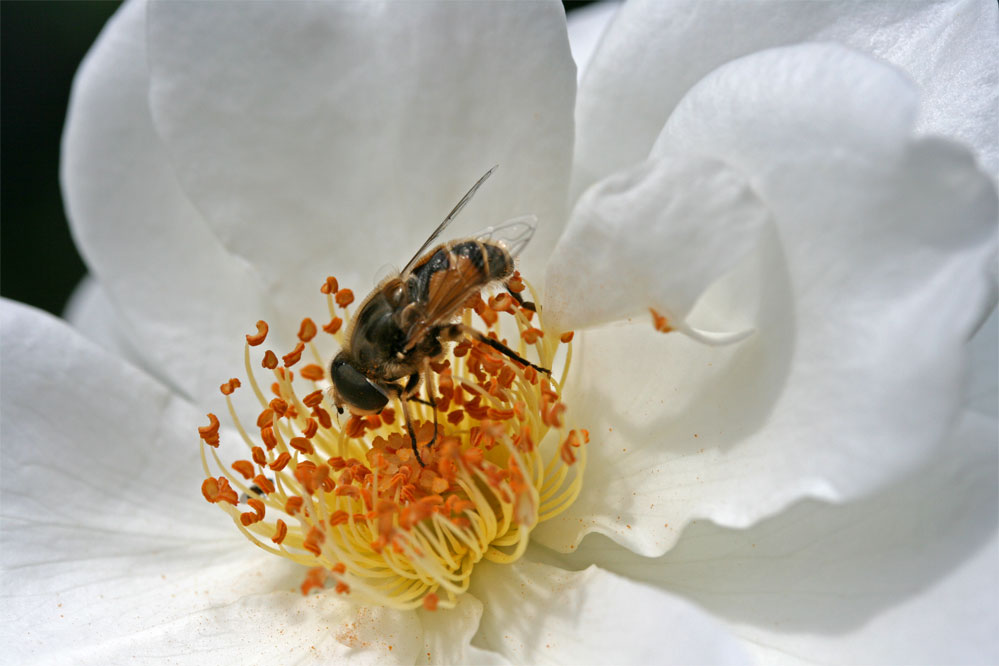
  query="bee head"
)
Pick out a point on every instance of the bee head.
point(353, 389)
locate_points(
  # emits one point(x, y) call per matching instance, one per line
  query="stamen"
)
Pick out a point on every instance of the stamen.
point(350, 501)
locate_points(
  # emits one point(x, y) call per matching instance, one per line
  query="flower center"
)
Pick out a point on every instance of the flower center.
point(352, 502)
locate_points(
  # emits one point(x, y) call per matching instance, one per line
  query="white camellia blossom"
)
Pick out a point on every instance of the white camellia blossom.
point(812, 183)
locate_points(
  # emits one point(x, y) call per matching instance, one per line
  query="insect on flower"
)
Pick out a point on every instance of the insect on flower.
point(404, 324)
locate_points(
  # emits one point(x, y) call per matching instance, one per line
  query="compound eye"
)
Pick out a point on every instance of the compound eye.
point(355, 389)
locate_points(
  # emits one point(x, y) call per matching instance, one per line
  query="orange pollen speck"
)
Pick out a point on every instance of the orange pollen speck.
point(346, 494)
point(660, 322)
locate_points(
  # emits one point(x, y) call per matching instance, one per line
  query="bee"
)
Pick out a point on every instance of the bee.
point(405, 323)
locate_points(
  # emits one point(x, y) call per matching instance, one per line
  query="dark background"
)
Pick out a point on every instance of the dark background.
point(41, 45)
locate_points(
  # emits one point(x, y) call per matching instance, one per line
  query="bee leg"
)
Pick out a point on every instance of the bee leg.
point(527, 305)
point(457, 331)
point(410, 430)
point(428, 379)
point(404, 394)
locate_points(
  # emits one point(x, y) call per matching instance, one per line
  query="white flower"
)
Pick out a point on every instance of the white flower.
point(823, 490)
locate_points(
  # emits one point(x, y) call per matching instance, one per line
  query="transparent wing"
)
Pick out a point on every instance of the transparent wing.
point(448, 220)
point(513, 235)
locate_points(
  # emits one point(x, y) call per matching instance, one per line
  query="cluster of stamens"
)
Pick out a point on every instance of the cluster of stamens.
point(351, 501)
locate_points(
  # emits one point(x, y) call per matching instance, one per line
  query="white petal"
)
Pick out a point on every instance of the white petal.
point(906, 576)
point(184, 301)
point(983, 386)
point(110, 553)
point(655, 235)
point(447, 635)
point(874, 277)
point(322, 138)
point(91, 312)
point(539, 614)
point(655, 51)
point(587, 26)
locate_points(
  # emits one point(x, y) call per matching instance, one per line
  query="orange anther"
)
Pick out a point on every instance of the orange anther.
point(307, 330)
point(454, 417)
point(488, 316)
point(279, 406)
point(659, 322)
point(267, 434)
point(293, 505)
point(342, 588)
point(344, 297)
point(266, 418)
point(280, 462)
point(388, 416)
point(294, 356)
point(501, 303)
point(339, 518)
point(313, 541)
point(439, 485)
point(248, 518)
point(230, 386)
point(352, 491)
point(280, 533)
point(531, 335)
point(476, 411)
point(219, 490)
point(258, 455)
point(333, 326)
point(339, 568)
point(573, 440)
point(302, 444)
point(337, 462)
point(499, 414)
point(265, 484)
point(270, 360)
point(210, 489)
point(354, 427)
point(254, 340)
point(473, 456)
point(257, 506)
point(430, 602)
point(506, 376)
point(310, 429)
point(313, 399)
point(516, 283)
point(320, 477)
point(346, 477)
point(245, 468)
point(330, 286)
point(323, 416)
point(314, 578)
point(567, 337)
point(312, 372)
point(211, 429)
